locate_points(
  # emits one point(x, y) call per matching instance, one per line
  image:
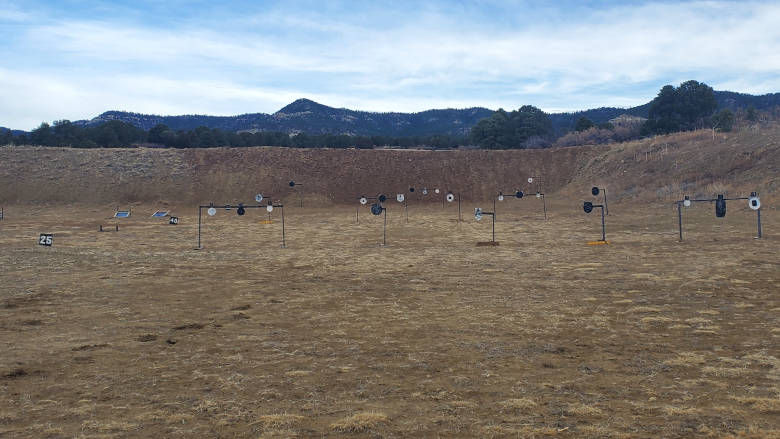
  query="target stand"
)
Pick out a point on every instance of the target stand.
point(587, 206)
point(108, 229)
point(720, 209)
point(539, 192)
point(241, 210)
point(478, 212)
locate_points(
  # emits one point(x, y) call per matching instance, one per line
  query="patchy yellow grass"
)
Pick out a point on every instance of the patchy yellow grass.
point(517, 404)
point(360, 422)
point(279, 421)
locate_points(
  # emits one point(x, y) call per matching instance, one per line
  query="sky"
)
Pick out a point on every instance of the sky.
point(76, 59)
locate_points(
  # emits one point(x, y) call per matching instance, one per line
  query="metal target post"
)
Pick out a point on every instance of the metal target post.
point(588, 208)
point(720, 203)
point(595, 190)
point(240, 207)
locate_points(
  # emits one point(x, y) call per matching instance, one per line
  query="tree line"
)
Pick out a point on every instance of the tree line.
point(117, 134)
point(692, 105)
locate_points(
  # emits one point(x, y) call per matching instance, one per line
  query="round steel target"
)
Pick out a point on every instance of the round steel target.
point(594, 190)
point(376, 209)
point(363, 200)
point(587, 207)
point(212, 211)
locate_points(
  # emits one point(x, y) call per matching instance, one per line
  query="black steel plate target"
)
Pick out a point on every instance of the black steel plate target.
point(594, 190)
point(587, 207)
point(376, 209)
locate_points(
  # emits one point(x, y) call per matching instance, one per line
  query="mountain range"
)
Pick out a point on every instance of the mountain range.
point(310, 117)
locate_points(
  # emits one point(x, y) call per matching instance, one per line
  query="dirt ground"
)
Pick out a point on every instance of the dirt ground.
point(136, 334)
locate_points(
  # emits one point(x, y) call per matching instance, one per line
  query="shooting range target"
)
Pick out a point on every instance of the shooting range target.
point(292, 184)
point(259, 197)
point(376, 209)
point(411, 189)
point(477, 213)
point(687, 201)
point(594, 190)
point(363, 200)
point(530, 179)
point(587, 207)
point(500, 196)
point(538, 195)
point(519, 194)
point(382, 198)
point(450, 197)
point(400, 198)
point(212, 211)
point(436, 190)
point(425, 191)
point(754, 202)
point(269, 208)
point(240, 211)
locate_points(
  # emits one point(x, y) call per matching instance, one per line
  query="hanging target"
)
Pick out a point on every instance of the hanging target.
point(425, 191)
point(212, 211)
point(363, 200)
point(477, 213)
point(376, 209)
point(259, 197)
point(538, 195)
point(292, 184)
point(687, 201)
point(269, 208)
point(530, 179)
point(450, 197)
point(500, 196)
point(519, 194)
point(400, 198)
point(240, 211)
point(587, 207)
point(436, 190)
point(382, 198)
point(754, 202)
point(411, 189)
point(720, 207)
point(594, 190)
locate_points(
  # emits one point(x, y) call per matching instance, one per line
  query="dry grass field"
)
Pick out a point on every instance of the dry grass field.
point(135, 334)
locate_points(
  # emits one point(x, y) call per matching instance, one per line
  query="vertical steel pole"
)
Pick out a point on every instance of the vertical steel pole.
point(460, 218)
point(758, 213)
point(494, 226)
point(284, 242)
point(200, 209)
point(406, 209)
point(494, 202)
point(679, 218)
point(544, 205)
point(603, 227)
point(357, 215)
point(384, 228)
point(606, 205)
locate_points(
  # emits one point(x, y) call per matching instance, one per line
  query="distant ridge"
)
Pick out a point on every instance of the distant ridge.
point(307, 116)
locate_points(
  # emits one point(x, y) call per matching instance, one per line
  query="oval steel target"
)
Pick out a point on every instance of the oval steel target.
point(269, 208)
point(376, 209)
point(594, 190)
point(382, 198)
point(754, 203)
point(363, 200)
point(400, 198)
point(519, 194)
point(259, 197)
point(292, 183)
point(212, 211)
point(450, 197)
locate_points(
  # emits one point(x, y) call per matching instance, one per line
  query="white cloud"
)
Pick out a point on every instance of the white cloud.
point(413, 62)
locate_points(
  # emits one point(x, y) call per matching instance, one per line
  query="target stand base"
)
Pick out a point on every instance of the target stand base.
point(598, 242)
point(487, 244)
point(267, 222)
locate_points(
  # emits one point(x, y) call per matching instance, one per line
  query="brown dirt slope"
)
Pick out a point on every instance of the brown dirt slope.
point(662, 167)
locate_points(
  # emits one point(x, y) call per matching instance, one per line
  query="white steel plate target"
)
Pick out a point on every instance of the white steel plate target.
point(400, 198)
point(269, 208)
point(754, 203)
point(450, 198)
point(530, 179)
point(259, 197)
point(363, 200)
point(212, 211)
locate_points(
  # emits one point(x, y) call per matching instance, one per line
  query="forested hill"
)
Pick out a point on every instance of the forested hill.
point(311, 117)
